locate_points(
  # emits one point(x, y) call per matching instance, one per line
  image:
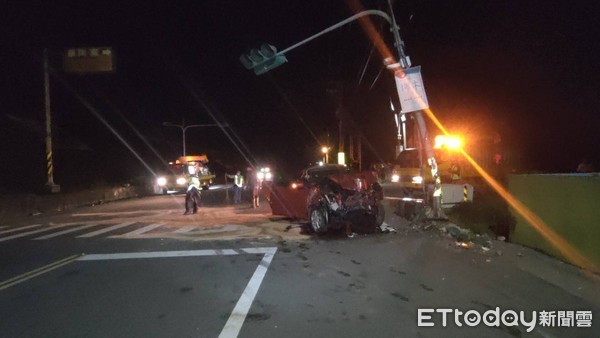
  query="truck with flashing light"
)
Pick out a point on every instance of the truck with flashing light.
point(411, 173)
point(176, 178)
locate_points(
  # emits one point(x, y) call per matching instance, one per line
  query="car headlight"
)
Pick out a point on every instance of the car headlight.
point(181, 181)
point(161, 181)
point(268, 176)
point(417, 180)
point(260, 175)
point(395, 178)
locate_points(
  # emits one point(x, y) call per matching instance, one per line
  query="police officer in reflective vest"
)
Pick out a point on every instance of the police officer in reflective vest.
point(192, 196)
point(238, 184)
point(455, 172)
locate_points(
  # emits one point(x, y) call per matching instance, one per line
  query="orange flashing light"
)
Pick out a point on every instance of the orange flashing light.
point(569, 252)
point(193, 158)
point(450, 142)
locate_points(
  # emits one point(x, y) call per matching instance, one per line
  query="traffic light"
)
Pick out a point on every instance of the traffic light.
point(262, 60)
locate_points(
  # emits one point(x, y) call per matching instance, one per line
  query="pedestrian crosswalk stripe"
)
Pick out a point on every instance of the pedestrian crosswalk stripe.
point(144, 229)
point(66, 231)
point(71, 228)
point(21, 228)
point(185, 229)
point(23, 234)
point(105, 230)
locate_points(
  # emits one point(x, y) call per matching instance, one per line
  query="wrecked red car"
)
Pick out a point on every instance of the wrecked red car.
point(331, 197)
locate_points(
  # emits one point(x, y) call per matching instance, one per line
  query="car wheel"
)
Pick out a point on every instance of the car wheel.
point(165, 191)
point(318, 219)
point(205, 187)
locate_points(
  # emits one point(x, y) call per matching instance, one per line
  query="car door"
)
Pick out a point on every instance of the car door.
point(289, 201)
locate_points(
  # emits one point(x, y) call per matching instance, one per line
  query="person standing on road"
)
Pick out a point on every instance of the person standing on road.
point(455, 172)
point(192, 195)
point(238, 184)
point(254, 183)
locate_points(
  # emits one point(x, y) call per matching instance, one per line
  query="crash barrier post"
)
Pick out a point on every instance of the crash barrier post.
point(567, 203)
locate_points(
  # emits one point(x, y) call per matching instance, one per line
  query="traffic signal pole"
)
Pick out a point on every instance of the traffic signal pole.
point(267, 58)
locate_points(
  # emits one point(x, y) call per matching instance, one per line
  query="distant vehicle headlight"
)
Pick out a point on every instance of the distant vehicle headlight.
point(161, 181)
point(417, 180)
point(395, 178)
point(260, 175)
point(268, 176)
point(181, 181)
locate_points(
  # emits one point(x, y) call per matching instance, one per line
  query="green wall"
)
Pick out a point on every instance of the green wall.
point(567, 203)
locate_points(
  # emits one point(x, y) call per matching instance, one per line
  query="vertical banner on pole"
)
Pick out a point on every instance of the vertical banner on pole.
point(411, 91)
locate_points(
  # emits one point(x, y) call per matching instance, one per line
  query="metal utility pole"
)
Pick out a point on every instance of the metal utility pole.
point(267, 58)
point(403, 63)
point(184, 128)
point(52, 187)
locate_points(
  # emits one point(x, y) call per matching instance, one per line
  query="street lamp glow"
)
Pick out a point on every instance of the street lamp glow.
point(325, 151)
point(341, 158)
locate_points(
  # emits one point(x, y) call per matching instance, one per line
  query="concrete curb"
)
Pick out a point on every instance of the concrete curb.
point(15, 207)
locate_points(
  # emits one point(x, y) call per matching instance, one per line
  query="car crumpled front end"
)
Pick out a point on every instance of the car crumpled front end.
point(346, 201)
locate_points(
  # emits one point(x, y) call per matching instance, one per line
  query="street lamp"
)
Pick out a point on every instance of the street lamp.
point(184, 128)
point(325, 151)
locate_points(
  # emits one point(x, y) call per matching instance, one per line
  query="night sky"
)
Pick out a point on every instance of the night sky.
point(524, 69)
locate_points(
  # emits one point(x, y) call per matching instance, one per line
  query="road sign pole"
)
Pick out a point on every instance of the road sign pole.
point(50, 185)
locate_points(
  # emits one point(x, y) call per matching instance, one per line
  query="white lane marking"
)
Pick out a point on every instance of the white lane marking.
point(65, 231)
point(144, 229)
point(271, 250)
point(240, 311)
point(23, 234)
point(159, 254)
point(118, 213)
point(105, 230)
point(20, 228)
point(185, 229)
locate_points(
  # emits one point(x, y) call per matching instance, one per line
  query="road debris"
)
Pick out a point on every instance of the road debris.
point(465, 245)
point(385, 228)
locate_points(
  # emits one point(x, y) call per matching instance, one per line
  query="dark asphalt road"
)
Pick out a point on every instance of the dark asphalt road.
point(314, 286)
